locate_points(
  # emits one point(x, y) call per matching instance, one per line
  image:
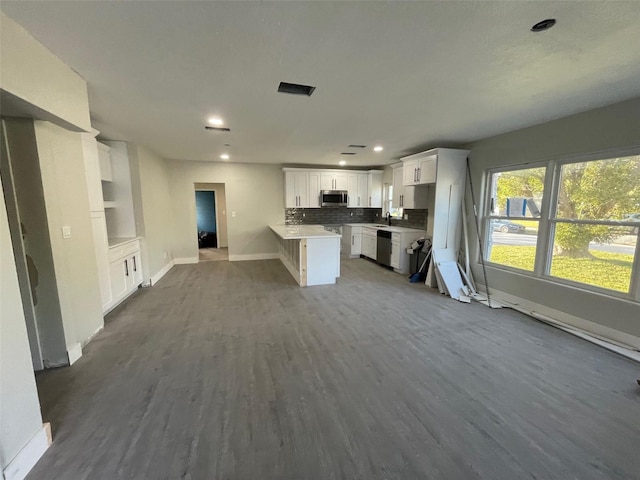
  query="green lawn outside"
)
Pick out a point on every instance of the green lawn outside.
point(607, 270)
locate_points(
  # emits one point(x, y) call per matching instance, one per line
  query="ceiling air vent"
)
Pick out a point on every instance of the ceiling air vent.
point(357, 146)
point(347, 153)
point(295, 89)
point(217, 129)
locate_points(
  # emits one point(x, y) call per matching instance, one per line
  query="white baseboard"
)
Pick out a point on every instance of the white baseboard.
point(570, 323)
point(74, 353)
point(185, 261)
point(254, 256)
point(163, 271)
point(23, 462)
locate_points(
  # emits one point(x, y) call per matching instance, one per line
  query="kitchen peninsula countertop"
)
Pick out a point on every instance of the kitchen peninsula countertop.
point(291, 232)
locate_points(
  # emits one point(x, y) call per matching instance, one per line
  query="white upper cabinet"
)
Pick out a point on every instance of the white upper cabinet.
point(410, 197)
point(420, 169)
point(303, 187)
point(333, 181)
point(314, 189)
point(358, 189)
point(374, 188)
point(296, 189)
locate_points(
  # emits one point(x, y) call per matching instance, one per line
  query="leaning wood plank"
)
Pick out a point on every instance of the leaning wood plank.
point(451, 277)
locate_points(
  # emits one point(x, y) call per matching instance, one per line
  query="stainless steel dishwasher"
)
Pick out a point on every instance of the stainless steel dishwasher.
point(383, 253)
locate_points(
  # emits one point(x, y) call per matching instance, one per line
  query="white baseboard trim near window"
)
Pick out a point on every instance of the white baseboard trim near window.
point(74, 353)
point(254, 256)
point(185, 260)
point(614, 340)
point(163, 271)
point(24, 461)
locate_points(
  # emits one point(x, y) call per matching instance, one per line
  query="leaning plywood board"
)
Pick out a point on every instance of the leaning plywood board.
point(451, 277)
point(438, 255)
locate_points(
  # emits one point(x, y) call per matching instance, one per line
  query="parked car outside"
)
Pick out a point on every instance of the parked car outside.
point(506, 226)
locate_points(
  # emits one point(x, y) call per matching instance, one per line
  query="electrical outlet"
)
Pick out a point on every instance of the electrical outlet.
point(66, 231)
point(304, 214)
point(352, 214)
point(406, 216)
point(233, 214)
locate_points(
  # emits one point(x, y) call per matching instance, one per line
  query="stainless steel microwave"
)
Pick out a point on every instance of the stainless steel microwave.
point(334, 198)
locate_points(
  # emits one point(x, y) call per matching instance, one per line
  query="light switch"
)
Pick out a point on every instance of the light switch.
point(233, 214)
point(66, 231)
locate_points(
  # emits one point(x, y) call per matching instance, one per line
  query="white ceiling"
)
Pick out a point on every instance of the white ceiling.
point(407, 75)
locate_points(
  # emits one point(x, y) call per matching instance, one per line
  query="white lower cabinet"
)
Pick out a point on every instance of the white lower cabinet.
point(396, 250)
point(370, 243)
point(352, 241)
point(125, 271)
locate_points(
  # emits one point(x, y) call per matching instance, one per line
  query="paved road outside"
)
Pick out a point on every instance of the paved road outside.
point(524, 239)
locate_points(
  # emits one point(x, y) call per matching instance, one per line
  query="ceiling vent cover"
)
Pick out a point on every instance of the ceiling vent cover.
point(347, 153)
point(357, 146)
point(295, 89)
point(217, 129)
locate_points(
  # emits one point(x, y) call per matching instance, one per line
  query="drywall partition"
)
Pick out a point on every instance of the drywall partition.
point(21, 167)
point(254, 193)
point(221, 209)
point(153, 206)
point(67, 203)
point(35, 76)
point(613, 127)
point(20, 419)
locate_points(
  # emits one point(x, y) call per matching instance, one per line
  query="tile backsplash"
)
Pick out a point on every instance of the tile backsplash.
point(342, 215)
point(331, 216)
point(416, 219)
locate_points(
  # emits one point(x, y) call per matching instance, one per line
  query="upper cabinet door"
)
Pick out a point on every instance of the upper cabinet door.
point(427, 169)
point(341, 181)
point(363, 190)
point(398, 188)
point(410, 172)
point(296, 186)
point(314, 189)
point(326, 181)
point(352, 184)
point(374, 189)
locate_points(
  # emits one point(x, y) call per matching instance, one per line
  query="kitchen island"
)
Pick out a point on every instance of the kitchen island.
point(309, 252)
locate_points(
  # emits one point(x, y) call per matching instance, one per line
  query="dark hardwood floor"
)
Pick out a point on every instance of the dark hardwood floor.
point(231, 371)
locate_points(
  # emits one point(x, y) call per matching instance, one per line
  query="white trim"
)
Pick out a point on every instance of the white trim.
point(254, 256)
point(24, 461)
point(185, 260)
point(74, 353)
point(586, 329)
point(163, 271)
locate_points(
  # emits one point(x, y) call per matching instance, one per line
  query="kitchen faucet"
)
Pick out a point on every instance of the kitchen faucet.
point(388, 215)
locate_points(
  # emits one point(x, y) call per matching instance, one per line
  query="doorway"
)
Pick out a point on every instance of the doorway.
point(210, 215)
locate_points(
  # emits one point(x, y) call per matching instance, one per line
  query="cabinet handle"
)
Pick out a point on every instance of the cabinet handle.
point(418, 175)
point(126, 268)
point(369, 200)
point(358, 201)
point(352, 240)
point(135, 265)
point(414, 174)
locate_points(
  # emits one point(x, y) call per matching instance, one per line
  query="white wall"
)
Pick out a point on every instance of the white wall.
point(20, 417)
point(615, 126)
point(254, 192)
point(34, 74)
point(67, 204)
point(156, 207)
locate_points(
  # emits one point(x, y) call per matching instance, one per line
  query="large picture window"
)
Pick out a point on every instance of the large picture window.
point(586, 234)
point(515, 202)
point(590, 245)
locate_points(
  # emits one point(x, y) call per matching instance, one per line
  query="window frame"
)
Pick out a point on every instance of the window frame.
point(548, 221)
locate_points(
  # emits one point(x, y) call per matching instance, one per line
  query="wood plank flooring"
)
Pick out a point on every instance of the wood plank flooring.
point(231, 371)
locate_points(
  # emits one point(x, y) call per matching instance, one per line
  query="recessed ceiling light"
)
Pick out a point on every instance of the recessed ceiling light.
point(377, 148)
point(544, 25)
point(224, 156)
point(342, 163)
point(217, 121)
